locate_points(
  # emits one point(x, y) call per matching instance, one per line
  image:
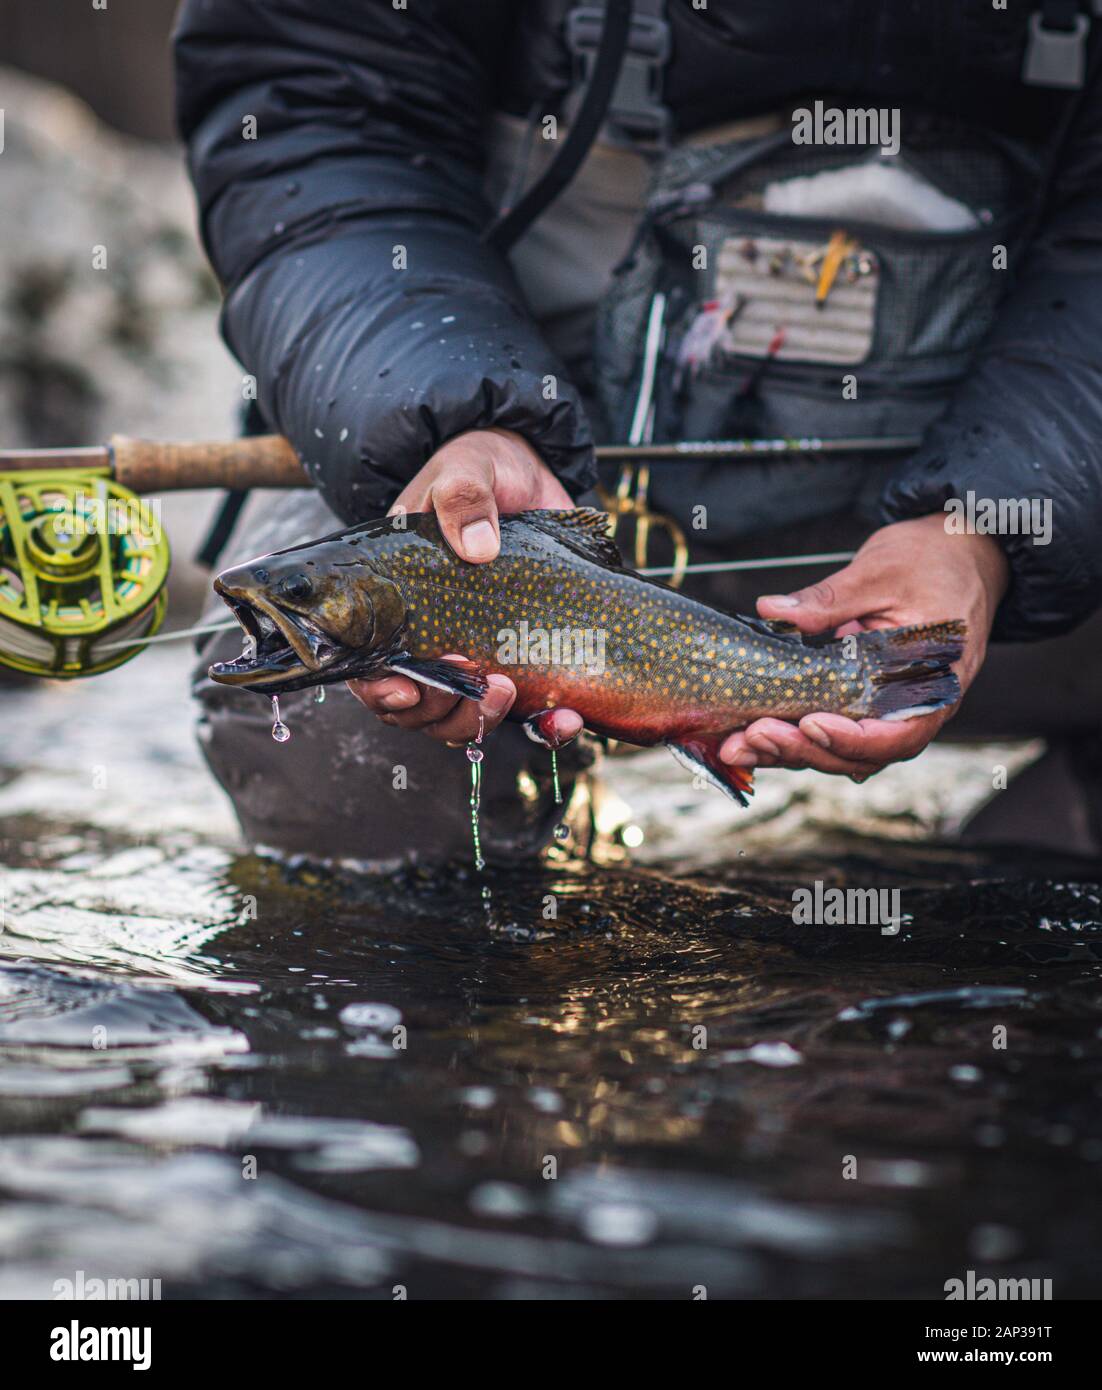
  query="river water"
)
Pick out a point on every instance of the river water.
point(250, 1079)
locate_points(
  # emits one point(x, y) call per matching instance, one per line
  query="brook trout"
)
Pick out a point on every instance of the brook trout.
point(559, 614)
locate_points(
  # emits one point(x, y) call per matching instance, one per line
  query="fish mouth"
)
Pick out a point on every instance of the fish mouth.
point(280, 646)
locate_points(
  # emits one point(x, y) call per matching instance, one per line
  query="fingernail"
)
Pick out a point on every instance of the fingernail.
point(398, 699)
point(478, 540)
point(781, 600)
point(742, 757)
point(766, 745)
point(816, 733)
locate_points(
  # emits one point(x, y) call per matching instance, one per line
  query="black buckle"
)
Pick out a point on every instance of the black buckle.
point(1056, 57)
point(636, 113)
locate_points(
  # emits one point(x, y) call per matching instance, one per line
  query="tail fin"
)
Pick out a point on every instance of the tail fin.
point(700, 754)
point(910, 671)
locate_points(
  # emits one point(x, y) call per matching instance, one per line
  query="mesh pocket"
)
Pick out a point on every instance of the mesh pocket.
point(904, 311)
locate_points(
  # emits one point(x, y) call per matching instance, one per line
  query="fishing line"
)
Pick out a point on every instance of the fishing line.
point(171, 636)
point(773, 562)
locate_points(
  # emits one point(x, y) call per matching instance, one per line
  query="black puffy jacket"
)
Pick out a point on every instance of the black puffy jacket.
point(369, 125)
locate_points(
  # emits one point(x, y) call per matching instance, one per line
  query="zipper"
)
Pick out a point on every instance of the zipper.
point(870, 232)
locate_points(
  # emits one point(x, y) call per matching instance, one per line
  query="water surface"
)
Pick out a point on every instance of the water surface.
point(659, 1088)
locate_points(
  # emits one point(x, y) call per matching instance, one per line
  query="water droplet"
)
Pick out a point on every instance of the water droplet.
point(555, 777)
point(562, 832)
point(319, 695)
point(280, 731)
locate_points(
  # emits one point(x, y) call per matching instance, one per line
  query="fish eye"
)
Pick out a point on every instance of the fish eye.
point(295, 586)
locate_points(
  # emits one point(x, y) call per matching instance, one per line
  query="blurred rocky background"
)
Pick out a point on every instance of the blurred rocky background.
point(89, 161)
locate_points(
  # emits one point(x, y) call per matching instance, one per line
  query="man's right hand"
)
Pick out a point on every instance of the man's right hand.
point(467, 483)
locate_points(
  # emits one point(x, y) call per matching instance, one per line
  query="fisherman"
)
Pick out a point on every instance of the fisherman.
point(778, 228)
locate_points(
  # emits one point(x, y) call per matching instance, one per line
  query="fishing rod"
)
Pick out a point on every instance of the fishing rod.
point(268, 460)
point(84, 561)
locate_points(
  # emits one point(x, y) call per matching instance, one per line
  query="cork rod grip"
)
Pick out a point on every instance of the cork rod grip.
point(147, 465)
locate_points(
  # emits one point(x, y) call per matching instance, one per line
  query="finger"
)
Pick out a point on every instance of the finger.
point(386, 696)
point(792, 748)
point(470, 718)
point(463, 499)
point(872, 740)
point(554, 728)
point(414, 497)
point(431, 707)
point(853, 592)
point(565, 726)
point(737, 752)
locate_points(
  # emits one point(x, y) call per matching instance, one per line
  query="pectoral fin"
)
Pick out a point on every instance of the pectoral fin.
point(700, 754)
point(456, 677)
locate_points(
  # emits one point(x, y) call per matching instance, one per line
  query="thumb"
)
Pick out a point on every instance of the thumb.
point(463, 499)
point(828, 604)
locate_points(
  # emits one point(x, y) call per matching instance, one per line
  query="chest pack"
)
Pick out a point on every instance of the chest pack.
point(732, 318)
point(739, 313)
point(754, 316)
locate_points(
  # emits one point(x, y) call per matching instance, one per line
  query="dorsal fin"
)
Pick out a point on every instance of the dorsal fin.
point(584, 530)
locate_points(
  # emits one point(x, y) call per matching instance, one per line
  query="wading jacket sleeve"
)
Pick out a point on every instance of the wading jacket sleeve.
point(1027, 421)
point(368, 123)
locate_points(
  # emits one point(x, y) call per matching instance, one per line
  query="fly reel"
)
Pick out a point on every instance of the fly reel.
point(83, 564)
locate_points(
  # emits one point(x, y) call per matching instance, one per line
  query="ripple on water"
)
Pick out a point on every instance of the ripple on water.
point(324, 1145)
point(90, 1205)
point(44, 1009)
